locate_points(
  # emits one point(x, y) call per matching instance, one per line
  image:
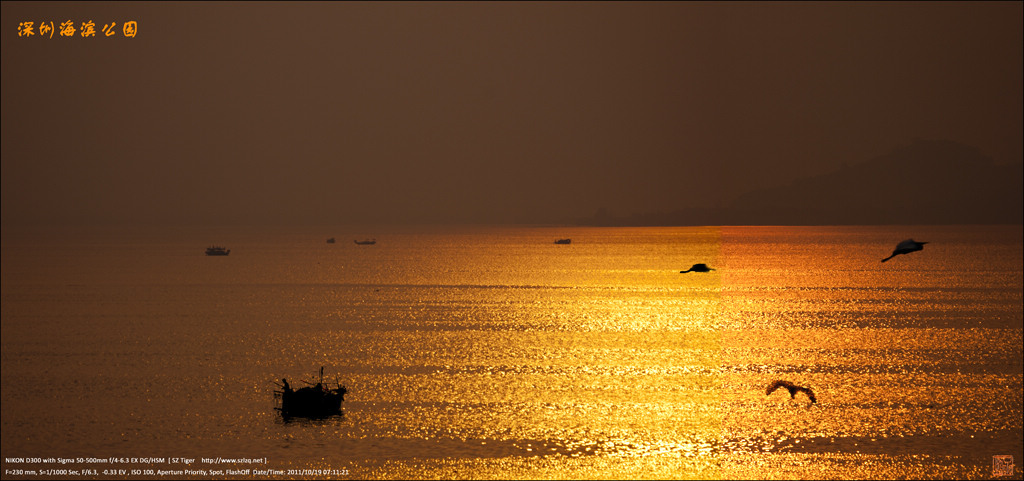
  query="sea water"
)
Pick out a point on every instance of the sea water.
point(492, 352)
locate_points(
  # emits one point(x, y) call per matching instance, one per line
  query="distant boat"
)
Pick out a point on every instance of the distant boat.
point(330, 240)
point(366, 242)
point(698, 268)
point(313, 401)
point(217, 251)
point(563, 241)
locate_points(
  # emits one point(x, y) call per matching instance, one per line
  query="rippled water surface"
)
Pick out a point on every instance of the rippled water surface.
point(492, 352)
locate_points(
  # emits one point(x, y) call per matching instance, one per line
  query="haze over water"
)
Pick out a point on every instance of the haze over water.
point(492, 352)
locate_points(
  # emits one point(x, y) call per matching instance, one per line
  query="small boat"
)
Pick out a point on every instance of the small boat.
point(330, 240)
point(366, 242)
point(563, 241)
point(314, 401)
point(698, 268)
point(217, 251)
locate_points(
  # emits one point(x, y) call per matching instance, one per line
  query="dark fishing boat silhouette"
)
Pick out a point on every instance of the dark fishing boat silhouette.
point(217, 251)
point(330, 240)
point(313, 401)
point(906, 247)
point(697, 268)
point(792, 388)
point(563, 241)
point(366, 242)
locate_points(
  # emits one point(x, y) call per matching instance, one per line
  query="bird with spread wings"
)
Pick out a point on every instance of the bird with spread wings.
point(906, 247)
point(792, 388)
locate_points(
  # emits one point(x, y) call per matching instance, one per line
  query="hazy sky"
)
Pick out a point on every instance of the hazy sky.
point(332, 113)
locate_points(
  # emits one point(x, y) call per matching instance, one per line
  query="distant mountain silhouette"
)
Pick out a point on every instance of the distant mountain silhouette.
point(926, 182)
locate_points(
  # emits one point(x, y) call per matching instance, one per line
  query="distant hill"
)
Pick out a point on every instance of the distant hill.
point(926, 182)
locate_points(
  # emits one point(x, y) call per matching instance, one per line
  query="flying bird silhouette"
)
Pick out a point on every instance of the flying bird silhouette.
point(697, 268)
point(906, 247)
point(792, 388)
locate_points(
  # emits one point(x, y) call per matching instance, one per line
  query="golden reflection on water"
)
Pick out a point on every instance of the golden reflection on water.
point(673, 377)
point(514, 358)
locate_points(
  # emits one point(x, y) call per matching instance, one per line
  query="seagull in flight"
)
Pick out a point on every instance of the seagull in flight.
point(697, 268)
point(792, 388)
point(906, 247)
